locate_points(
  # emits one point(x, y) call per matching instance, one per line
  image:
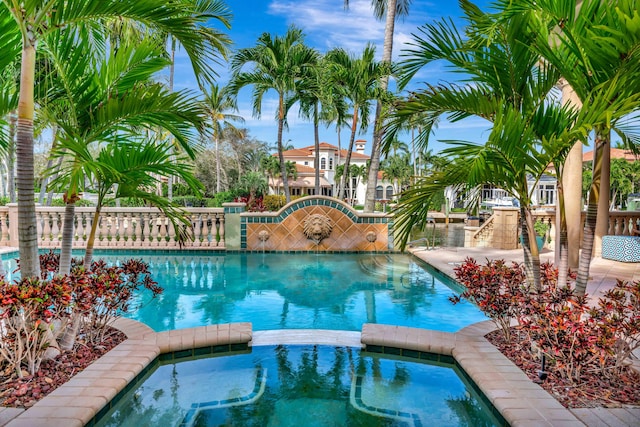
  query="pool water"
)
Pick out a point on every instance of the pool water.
point(300, 291)
point(295, 291)
point(301, 386)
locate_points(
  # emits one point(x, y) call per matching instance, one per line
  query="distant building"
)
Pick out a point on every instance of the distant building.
point(330, 158)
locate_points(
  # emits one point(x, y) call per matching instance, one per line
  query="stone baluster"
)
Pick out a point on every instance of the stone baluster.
point(209, 223)
point(196, 220)
point(103, 228)
point(44, 220)
point(220, 227)
point(145, 229)
point(4, 228)
point(171, 233)
point(56, 228)
point(83, 229)
point(136, 228)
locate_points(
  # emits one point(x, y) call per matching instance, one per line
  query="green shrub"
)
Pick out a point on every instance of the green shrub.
point(4, 200)
point(222, 197)
point(273, 202)
point(189, 201)
point(80, 203)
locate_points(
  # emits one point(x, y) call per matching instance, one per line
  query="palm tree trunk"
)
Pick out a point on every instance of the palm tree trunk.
point(572, 183)
point(27, 226)
point(530, 249)
point(378, 133)
point(562, 247)
point(88, 256)
point(316, 137)
point(217, 145)
point(11, 157)
point(172, 71)
point(602, 222)
point(67, 234)
point(283, 165)
point(347, 159)
point(592, 214)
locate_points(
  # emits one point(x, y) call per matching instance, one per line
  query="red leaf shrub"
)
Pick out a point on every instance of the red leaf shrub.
point(27, 311)
point(35, 312)
point(573, 337)
point(495, 288)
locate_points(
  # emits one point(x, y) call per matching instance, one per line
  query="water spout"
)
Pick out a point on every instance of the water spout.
point(263, 236)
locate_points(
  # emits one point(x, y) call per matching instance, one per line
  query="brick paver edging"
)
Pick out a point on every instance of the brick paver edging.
point(520, 401)
point(90, 392)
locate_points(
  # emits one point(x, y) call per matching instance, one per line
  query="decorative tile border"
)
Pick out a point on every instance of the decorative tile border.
point(90, 394)
point(518, 400)
point(349, 234)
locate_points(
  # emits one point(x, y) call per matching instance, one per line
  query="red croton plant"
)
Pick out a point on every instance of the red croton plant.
point(574, 337)
point(36, 314)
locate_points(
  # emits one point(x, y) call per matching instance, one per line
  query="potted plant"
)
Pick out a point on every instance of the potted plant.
point(541, 229)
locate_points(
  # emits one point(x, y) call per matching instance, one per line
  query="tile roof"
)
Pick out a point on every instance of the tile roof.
point(616, 153)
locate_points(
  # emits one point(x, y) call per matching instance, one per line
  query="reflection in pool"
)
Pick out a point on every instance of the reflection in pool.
point(302, 386)
point(300, 291)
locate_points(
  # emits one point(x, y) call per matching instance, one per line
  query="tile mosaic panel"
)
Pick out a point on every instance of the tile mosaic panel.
point(285, 229)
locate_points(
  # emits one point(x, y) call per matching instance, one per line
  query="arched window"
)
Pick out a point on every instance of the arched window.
point(379, 193)
point(323, 163)
point(389, 192)
point(330, 163)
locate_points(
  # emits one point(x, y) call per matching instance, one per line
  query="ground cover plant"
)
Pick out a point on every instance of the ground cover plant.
point(581, 353)
point(56, 325)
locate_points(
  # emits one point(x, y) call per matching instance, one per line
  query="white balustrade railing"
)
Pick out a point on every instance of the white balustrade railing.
point(146, 228)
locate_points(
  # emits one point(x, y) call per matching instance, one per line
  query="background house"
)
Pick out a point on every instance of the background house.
point(330, 158)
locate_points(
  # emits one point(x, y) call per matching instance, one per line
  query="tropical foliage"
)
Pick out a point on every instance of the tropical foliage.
point(279, 64)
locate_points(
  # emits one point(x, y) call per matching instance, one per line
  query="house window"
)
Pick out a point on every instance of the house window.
point(323, 163)
point(389, 192)
point(546, 194)
point(330, 163)
point(379, 193)
point(306, 163)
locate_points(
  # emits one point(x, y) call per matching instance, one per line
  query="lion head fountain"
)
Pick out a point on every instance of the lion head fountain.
point(317, 227)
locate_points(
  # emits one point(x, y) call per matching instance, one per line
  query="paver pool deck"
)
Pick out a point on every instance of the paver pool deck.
point(520, 401)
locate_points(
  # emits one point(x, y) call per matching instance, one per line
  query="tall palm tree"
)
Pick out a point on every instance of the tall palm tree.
point(397, 169)
point(508, 86)
point(186, 20)
point(596, 52)
point(313, 94)
point(279, 63)
point(390, 10)
point(109, 100)
point(359, 81)
point(218, 102)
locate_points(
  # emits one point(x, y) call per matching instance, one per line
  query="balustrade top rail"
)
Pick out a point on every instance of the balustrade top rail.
point(119, 227)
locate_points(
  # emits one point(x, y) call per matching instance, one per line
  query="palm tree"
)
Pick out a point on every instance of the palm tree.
point(279, 64)
point(596, 53)
point(186, 20)
point(111, 104)
point(390, 10)
point(313, 93)
point(508, 87)
point(397, 168)
point(359, 81)
point(217, 101)
point(359, 173)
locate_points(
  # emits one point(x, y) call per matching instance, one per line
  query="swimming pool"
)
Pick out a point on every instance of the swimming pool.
point(302, 385)
point(339, 291)
point(300, 291)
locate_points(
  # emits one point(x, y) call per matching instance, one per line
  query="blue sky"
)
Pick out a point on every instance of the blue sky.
point(327, 25)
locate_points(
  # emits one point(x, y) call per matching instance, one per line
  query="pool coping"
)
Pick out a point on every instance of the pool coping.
point(520, 401)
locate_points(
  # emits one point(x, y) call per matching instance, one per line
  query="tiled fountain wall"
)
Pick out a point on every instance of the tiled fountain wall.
point(284, 230)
